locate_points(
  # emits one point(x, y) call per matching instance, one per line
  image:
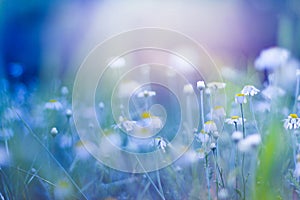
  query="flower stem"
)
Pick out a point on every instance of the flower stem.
point(206, 166)
point(243, 156)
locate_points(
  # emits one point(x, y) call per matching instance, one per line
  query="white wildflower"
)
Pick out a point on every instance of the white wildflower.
point(272, 58)
point(210, 127)
point(234, 120)
point(146, 93)
point(160, 143)
point(240, 98)
point(200, 85)
point(237, 136)
point(54, 131)
point(53, 105)
point(250, 90)
point(292, 122)
point(250, 142)
point(188, 89)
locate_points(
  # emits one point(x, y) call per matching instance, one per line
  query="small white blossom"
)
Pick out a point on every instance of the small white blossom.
point(223, 193)
point(200, 85)
point(188, 89)
point(202, 136)
point(240, 98)
point(210, 127)
point(237, 136)
point(54, 131)
point(272, 92)
point(213, 146)
point(64, 91)
point(69, 113)
point(250, 90)
point(234, 120)
point(292, 122)
point(53, 105)
point(63, 190)
point(250, 142)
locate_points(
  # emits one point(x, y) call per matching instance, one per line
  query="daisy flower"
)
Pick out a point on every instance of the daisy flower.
point(200, 85)
point(292, 122)
point(53, 104)
point(250, 142)
point(240, 98)
point(160, 143)
point(210, 127)
point(234, 120)
point(188, 89)
point(250, 90)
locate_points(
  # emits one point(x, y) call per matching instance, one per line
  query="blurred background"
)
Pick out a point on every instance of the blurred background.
point(43, 40)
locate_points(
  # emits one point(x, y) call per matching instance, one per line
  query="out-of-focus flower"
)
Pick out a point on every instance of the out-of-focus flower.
point(272, 58)
point(272, 92)
point(237, 136)
point(250, 142)
point(201, 153)
point(160, 143)
point(81, 151)
point(213, 146)
point(297, 167)
point(202, 136)
point(6, 133)
point(188, 89)
point(54, 131)
point(216, 85)
point(10, 114)
point(292, 122)
point(127, 125)
point(240, 98)
point(65, 141)
point(63, 190)
point(217, 112)
point(210, 127)
point(101, 105)
point(223, 193)
point(64, 91)
point(250, 90)
point(200, 85)
point(53, 104)
point(234, 120)
point(262, 106)
point(146, 93)
point(69, 113)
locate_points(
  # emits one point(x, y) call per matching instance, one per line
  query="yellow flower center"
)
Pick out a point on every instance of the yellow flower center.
point(240, 95)
point(293, 115)
point(52, 100)
point(217, 107)
point(209, 122)
point(145, 115)
point(235, 117)
point(63, 184)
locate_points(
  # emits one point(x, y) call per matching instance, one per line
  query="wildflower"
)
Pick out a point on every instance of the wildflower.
point(237, 136)
point(127, 125)
point(250, 142)
point(202, 136)
point(146, 93)
point(216, 85)
point(234, 120)
point(69, 113)
point(160, 143)
point(65, 141)
point(223, 193)
point(200, 85)
point(63, 190)
point(292, 122)
point(81, 151)
point(101, 105)
point(188, 89)
point(217, 112)
point(53, 105)
point(250, 90)
point(272, 92)
point(240, 98)
point(272, 58)
point(64, 91)
point(201, 153)
point(210, 127)
point(213, 146)
point(54, 131)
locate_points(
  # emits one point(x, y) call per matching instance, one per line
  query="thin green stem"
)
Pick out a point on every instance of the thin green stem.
point(243, 156)
point(206, 166)
point(219, 169)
